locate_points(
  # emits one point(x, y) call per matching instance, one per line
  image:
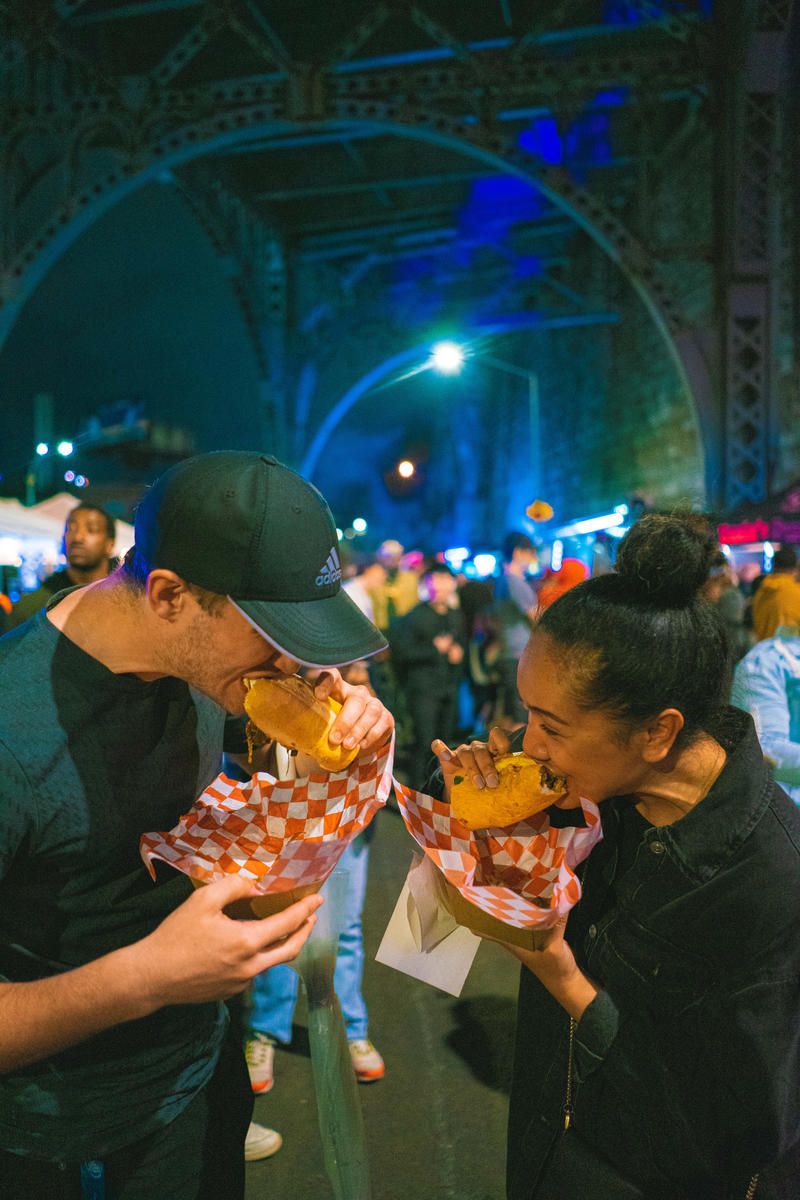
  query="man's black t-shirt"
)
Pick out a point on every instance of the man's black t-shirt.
point(89, 761)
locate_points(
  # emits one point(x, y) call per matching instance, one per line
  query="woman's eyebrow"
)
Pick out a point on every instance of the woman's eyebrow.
point(546, 713)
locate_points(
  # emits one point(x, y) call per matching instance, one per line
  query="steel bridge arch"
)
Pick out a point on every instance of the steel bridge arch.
point(159, 151)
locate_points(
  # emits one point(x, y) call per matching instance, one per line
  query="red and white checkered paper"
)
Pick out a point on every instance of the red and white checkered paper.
point(524, 875)
point(284, 834)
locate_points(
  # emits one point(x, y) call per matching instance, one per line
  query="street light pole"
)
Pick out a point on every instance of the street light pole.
point(533, 409)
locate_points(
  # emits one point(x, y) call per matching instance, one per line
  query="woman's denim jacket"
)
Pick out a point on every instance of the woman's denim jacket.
point(687, 1064)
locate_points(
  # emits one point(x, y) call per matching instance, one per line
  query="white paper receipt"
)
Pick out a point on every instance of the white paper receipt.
point(422, 939)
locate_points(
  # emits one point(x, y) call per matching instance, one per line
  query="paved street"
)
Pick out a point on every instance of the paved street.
point(436, 1123)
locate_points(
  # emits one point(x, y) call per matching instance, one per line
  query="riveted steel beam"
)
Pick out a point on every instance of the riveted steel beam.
point(749, 256)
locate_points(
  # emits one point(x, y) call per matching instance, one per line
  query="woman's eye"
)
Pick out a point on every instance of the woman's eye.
point(548, 731)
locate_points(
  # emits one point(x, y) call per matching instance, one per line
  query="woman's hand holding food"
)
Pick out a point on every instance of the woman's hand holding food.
point(554, 965)
point(475, 759)
point(198, 953)
point(364, 721)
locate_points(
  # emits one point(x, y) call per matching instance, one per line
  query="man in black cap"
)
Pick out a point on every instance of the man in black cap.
point(114, 1060)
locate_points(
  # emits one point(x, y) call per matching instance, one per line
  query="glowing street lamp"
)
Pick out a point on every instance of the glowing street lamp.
point(42, 449)
point(65, 449)
point(447, 358)
point(406, 469)
point(360, 525)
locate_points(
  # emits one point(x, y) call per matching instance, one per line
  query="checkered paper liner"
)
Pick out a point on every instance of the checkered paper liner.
point(523, 875)
point(284, 834)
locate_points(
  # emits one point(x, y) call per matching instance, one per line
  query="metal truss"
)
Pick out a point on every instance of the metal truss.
point(87, 137)
point(752, 258)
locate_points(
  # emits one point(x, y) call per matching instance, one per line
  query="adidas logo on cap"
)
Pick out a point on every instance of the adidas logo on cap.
point(331, 569)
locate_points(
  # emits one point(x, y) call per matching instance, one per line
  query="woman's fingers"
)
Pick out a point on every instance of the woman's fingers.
point(499, 741)
point(478, 760)
point(442, 752)
point(473, 759)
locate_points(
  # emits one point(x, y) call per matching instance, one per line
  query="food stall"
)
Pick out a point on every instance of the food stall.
point(754, 531)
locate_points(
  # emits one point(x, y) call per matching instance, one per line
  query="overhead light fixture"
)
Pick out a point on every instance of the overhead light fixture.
point(456, 556)
point(485, 564)
point(405, 469)
point(447, 358)
point(593, 524)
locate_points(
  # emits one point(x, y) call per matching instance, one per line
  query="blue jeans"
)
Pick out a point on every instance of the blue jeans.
point(273, 994)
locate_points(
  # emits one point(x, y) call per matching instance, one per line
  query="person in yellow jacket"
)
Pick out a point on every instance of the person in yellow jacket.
point(398, 593)
point(777, 601)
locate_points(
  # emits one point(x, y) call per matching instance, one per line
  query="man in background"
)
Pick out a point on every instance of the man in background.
point(89, 536)
point(514, 611)
point(398, 592)
point(362, 587)
point(427, 647)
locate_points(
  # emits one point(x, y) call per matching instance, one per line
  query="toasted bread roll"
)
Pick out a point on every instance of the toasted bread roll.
point(287, 711)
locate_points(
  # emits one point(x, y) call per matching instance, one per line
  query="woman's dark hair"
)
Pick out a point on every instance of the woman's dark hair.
point(641, 640)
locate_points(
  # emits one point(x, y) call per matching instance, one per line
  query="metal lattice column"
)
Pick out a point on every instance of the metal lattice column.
point(751, 174)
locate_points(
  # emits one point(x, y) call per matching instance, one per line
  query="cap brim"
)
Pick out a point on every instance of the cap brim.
point(317, 633)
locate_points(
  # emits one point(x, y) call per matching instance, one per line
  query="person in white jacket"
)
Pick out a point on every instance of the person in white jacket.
point(766, 684)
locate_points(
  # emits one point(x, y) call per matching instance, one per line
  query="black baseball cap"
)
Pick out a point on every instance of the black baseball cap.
point(245, 526)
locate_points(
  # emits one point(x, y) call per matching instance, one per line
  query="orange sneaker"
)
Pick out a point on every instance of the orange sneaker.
point(259, 1052)
point(367, 1063)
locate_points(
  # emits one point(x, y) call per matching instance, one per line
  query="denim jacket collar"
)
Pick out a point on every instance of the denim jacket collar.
point(708, 836)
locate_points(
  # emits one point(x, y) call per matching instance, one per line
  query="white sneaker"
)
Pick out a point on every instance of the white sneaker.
point(259, 1050)
point(261, 1142)
point(367, 1063)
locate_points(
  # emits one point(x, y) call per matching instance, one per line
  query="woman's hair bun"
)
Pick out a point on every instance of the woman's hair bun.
point(665, 559)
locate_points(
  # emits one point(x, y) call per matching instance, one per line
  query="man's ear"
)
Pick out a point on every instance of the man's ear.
point(167, 594)
point(660, 735)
